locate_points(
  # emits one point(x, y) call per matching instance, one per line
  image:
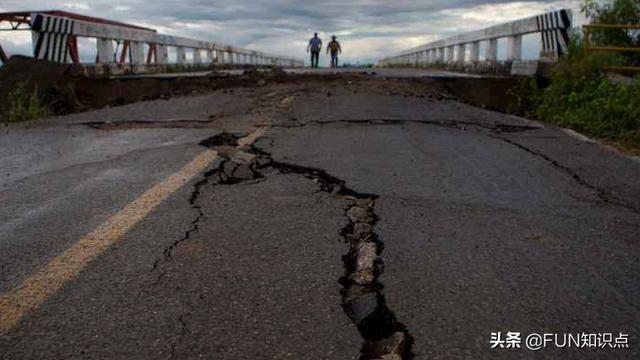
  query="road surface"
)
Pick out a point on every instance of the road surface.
point(326, 219)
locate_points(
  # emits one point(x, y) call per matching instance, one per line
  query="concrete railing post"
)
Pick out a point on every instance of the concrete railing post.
point(137, 53)
point(514, 48)
point(491, 52)
point(459, 53)
point(106, 53)
point(163, 54)
point(474, 53)
point(181, 54)
point(450, 51)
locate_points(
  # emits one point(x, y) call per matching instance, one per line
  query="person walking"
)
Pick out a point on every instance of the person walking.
point(315, 45)
point(335, 49)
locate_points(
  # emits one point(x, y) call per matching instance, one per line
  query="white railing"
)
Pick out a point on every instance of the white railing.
point(55, 33)
point(554, 28)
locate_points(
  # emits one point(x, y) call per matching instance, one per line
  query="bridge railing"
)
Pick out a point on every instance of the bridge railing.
point(553, 26)
point(55, 38)
point(590, 47)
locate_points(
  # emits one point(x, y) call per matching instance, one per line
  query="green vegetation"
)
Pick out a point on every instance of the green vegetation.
point(581, 95)
point(614, 12)
point(23, 105)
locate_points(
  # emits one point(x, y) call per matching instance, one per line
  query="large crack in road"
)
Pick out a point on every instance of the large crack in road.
point(363, 300)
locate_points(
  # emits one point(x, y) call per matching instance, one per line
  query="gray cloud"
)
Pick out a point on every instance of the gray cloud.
point(368, 29)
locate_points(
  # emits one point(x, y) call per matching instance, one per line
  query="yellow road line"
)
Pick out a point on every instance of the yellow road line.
point(61, 269)
point(251, 138)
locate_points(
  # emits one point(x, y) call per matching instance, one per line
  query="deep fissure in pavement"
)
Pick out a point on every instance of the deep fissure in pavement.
point(225, 172)
point(362, 294)
point(220, 177)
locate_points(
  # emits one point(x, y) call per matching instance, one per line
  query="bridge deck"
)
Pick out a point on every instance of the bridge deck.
point(490, 223)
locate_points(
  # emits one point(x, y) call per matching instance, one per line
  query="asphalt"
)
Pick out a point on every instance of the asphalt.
point(489, 222)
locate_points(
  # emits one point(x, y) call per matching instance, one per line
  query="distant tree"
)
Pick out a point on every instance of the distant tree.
point(613, 12)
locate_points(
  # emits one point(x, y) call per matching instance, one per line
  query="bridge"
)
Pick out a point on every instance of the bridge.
point(125, 47)
point(228, 203)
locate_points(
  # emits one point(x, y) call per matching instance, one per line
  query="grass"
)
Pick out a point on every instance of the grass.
point(24, 105)
point(581, 96)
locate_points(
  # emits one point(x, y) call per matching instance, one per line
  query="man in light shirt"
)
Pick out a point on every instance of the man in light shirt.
point(315, 45)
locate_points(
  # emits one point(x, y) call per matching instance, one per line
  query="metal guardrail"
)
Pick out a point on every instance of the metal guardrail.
point(617, 49)
point(553, 26)
point(55, 35)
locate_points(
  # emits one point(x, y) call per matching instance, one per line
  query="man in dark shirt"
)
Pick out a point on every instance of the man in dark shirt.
point(334, 47)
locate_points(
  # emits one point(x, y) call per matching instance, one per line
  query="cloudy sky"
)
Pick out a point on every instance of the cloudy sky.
point(368, 29)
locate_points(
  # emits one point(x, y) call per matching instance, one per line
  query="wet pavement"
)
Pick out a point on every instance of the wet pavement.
point(374, 217)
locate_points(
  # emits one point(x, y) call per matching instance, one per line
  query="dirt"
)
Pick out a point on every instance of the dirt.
point(66, 90)
point(53, 82)
point(490, 93)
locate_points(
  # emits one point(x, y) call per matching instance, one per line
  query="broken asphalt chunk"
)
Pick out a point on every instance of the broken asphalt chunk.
point(361, 307)
point(389, 348)
point(362, 231)
point(359, 214)
point(365, 264)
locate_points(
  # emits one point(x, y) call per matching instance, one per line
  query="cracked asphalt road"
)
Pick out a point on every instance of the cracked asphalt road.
point(489, 222)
